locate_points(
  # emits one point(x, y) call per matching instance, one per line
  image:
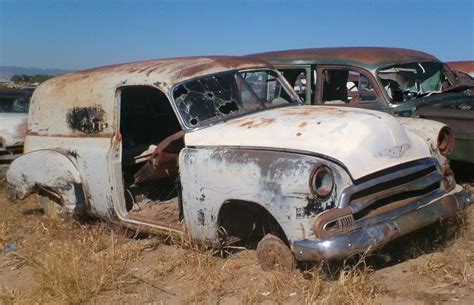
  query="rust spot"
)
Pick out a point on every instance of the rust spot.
point(302, 124)
point(253, 123)
point(22, 128)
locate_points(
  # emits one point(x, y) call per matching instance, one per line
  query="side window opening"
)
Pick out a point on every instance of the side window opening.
point(151, 141)
point(297, 79)
point(346, 86)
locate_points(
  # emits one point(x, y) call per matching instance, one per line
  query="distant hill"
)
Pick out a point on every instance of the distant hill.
point(6, 72)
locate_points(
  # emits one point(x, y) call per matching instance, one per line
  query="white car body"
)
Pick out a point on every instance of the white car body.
point(262, 161)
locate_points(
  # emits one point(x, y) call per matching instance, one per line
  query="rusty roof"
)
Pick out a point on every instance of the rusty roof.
point(167, 71)
point(368, 57)
point(466, 66)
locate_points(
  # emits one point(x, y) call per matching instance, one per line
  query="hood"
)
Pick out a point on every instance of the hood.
point(13, 128)
point(364, 141)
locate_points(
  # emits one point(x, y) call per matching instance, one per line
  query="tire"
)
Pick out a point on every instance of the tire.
point(274, 255)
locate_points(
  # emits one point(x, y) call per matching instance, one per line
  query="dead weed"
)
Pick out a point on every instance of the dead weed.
point(76, 268)
point(453, 264)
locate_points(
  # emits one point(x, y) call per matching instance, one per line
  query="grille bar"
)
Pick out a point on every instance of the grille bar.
point(419, 175)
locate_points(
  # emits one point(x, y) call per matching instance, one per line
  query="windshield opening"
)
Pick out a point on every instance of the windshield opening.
point(409, 81)
point(220, 96)
point(14, 105)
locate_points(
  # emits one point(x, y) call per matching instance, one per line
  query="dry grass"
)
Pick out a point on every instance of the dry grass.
point(453, 264)
point(354, 286)
point(10, 296)
point(78, 269)
point(73, 263)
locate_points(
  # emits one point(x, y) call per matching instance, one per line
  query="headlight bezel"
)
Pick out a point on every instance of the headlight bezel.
point(318, 182)
point(445, 141)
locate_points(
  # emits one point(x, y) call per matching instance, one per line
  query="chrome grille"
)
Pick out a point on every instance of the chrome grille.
point(397, 183)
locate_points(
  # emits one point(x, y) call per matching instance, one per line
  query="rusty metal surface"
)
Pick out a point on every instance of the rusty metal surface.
point(86, 100)
point(164, 160)
point(274, 255)
point(466, 66)
point(451, 100)
point(368, 57)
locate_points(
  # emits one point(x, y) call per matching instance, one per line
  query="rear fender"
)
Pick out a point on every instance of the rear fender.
point(50, 171)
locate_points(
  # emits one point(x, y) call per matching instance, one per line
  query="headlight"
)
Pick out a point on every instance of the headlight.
point(446, 141)
point(322, 182)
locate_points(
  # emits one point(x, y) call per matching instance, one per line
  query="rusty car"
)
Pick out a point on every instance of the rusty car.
point(464, 66)
point(13, 115)
point(221, 148)
point(464, 72)
point(398, 81)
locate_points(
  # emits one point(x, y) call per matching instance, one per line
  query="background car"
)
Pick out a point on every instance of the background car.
point(14, 104)
point(398, 81)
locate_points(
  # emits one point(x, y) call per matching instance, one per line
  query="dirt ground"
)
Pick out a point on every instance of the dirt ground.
point(53, 261)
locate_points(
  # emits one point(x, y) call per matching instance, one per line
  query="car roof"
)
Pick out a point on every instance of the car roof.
point(366, 57)
point(167, 72)
point(466, 66)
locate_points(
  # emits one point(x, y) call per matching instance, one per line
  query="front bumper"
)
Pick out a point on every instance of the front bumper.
point(401, 222)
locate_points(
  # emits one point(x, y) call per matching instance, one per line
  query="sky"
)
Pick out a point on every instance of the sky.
point(70, 34)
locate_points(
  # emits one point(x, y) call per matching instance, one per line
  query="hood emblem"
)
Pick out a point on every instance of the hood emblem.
point(394, 152)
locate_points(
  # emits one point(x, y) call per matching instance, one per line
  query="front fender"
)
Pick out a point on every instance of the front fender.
point(50, 170)
point(428, 130)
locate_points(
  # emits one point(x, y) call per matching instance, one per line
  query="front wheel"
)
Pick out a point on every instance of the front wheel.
point(274, 254)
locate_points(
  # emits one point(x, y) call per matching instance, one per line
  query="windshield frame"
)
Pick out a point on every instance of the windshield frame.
point(444, 68)
point(216, 120)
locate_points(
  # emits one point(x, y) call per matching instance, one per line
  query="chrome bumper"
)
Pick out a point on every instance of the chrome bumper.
point(378, 234)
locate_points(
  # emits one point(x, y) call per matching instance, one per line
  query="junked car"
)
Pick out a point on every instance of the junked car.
point(464, 71)
point(465, 66)
point(13, 115)
point(398, 81)
point(223, 149)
